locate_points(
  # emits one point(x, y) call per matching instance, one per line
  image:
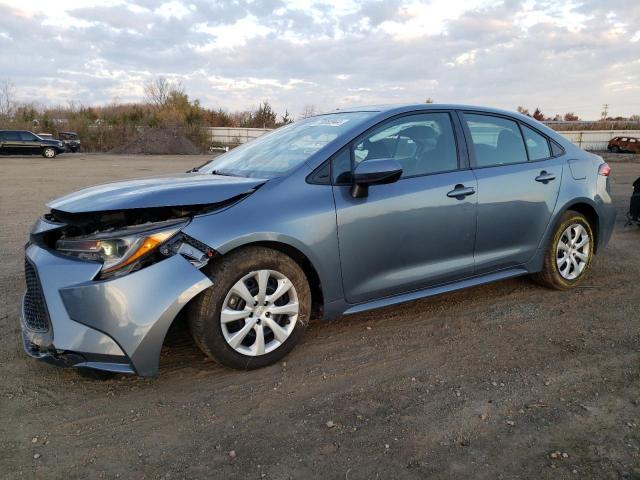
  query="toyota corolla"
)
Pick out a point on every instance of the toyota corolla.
point(331, 215)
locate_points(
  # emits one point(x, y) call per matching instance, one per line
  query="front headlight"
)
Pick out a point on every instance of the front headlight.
point(120, 250)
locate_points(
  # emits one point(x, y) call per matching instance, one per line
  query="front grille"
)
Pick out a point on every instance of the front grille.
point(35, 310)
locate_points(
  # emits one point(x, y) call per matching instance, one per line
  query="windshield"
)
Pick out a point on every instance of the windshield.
point(287, 147)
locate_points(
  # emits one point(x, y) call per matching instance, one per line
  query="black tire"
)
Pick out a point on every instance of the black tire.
point(204, 311)
point(615, 149)
point(550, 275)
point(49, 152)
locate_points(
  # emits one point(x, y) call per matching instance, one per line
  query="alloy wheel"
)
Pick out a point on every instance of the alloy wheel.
point(572, 251)
point(259, 312)
point(49, 152)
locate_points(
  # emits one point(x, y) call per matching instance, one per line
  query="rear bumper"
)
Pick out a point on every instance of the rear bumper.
point(115, 325)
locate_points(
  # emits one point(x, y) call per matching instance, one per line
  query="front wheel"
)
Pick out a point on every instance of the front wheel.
point(615, 149)
point(255, 312)
point(569, 253)
point(49, 152)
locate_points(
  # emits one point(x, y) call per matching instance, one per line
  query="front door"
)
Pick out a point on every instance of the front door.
point(416, 232)
point(30, 143)
point(518, 185)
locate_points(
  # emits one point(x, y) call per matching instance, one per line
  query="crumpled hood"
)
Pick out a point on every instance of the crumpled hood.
point(165, 191)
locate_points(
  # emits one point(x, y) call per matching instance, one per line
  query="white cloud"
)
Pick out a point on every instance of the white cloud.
point(560, 14)
point(232, 35)
point(419, 19)
point(172, 9)
point(329, 52)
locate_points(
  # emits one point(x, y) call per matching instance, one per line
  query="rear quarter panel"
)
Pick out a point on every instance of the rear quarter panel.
point(581, 184)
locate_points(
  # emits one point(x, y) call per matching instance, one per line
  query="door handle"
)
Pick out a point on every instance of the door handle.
point(460, 191)
point(545, 177)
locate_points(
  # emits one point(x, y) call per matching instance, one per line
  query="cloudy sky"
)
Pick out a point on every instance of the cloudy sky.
point(559, 55)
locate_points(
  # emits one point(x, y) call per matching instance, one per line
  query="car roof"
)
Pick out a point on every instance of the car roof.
point(385, 111)
point(389, 108)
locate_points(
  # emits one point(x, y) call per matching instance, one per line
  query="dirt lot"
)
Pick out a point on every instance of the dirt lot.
point(484, 383)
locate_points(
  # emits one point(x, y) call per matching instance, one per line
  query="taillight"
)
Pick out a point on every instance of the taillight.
point(604, 169)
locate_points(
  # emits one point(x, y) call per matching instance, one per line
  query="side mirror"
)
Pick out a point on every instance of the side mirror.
point(374, 172)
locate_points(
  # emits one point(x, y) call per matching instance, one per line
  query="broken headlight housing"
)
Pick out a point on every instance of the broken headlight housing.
point(120, 251)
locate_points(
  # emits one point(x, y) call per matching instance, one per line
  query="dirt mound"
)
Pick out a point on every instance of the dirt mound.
point(159, 141)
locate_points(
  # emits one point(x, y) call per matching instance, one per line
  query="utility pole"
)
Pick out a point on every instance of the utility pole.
point(605, 111)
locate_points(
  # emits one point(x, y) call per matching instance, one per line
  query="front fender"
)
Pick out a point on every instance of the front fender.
point(292, 213)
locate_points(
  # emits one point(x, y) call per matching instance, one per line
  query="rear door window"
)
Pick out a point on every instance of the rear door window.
point(496, 140)
point(537, 145)
point(12, 136)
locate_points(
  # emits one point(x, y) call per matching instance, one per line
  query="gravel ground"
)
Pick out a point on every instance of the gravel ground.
point(508, 380)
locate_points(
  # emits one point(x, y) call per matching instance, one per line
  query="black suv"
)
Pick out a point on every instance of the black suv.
point(22, 142)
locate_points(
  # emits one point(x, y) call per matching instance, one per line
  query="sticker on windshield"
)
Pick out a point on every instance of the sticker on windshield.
point(330, 122)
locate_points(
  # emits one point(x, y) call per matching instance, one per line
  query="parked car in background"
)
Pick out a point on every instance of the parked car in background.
point(23, 142)
point(332, 215)
point(45, 136)
point(624, 144)
point(71, 141)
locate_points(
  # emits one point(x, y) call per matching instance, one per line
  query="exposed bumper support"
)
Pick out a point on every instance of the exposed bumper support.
point(115, 325)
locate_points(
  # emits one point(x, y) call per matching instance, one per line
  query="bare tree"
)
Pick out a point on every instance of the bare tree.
point(429, 100)
point(7, 100)
point(308, 111)
point(160, 90)
point(538, 115)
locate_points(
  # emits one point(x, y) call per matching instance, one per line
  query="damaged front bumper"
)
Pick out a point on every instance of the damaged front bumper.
point(72, 320)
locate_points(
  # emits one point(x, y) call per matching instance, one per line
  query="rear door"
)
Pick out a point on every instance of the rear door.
point(623, 143)
point(11, 143)
point(518, 185)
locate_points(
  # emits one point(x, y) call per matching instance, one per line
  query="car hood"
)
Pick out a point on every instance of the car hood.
point(165, 191)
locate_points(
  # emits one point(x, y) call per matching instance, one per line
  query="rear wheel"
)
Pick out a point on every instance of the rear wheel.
point(569, 254)
point(255, 312)
point(49, 152)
